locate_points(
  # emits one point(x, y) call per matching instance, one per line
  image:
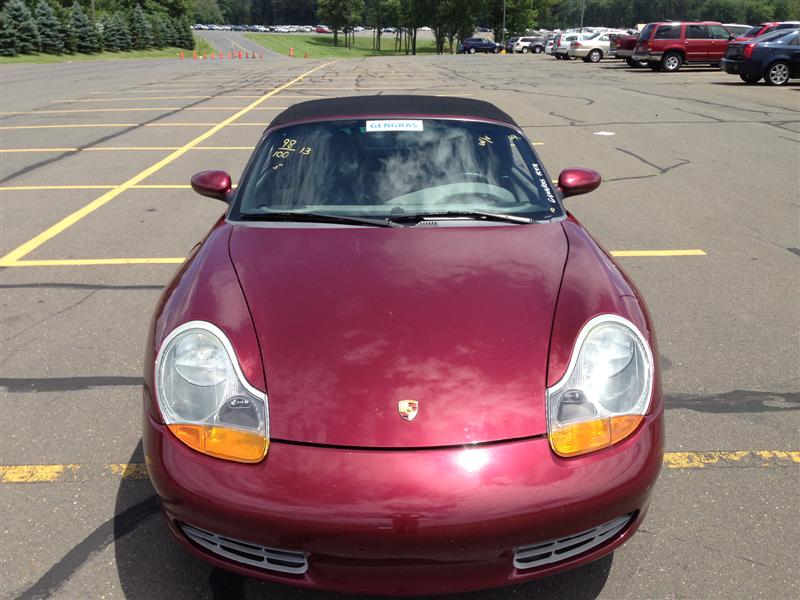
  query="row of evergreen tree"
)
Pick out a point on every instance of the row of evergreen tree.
point(56, 30)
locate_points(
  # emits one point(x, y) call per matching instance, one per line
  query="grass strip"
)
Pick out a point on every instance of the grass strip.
point(201, 45)
point(321, 45)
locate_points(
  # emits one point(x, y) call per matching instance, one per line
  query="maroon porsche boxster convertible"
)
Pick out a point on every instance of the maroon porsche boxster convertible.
point(398, 365)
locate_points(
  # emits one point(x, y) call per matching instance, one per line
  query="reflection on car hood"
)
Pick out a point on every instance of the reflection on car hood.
point(353, 320)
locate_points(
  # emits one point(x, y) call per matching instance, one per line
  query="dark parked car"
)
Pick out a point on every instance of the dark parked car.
point(774, 56)
point(509, 47)
point(397, 364)
point(763, 28)
point(473, 45)
point(668, 46)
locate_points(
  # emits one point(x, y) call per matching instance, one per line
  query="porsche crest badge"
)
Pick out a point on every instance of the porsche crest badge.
point(408, 409)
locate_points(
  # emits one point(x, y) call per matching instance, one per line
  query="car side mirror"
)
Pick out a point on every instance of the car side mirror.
point(214, 184)
point(575, 181)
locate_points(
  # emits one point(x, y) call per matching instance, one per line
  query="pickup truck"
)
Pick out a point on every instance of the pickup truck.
point(622, 46)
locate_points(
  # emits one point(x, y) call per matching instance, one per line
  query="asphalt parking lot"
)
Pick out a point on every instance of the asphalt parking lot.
point(701, 203)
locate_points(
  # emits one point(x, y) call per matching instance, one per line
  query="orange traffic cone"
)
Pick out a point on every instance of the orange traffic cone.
point(221, 56)
point(291, 51)
point(204, 55)
point(240, 54)
point(212, 56)
point(305, 55)
point(194, 56)
point(181, 55)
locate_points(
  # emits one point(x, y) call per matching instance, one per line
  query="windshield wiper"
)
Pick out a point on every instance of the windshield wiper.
point(456, 214)
point(308, 217)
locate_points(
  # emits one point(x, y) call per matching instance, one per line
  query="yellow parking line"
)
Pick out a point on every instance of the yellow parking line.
point(29, 246)
point(58, 473)
point(246, 124)
point(76, 126)
point(94, 262)
point(95, 125)
point(699, 460)
point(235, 44)
point(36, 188)
point(4, 150)
point(648, 253)
point(97, 262)
point(141, 186)
point(35, 473)
point(142, 109)
point(128, 99)
point(161, 186)
point(120, 149)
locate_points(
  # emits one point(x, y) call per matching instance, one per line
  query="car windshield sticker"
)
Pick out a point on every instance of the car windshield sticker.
point(394, 125)
point(543, 183)
point(288, 146)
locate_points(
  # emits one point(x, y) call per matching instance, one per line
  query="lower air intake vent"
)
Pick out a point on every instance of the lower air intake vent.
point(272, 559)
point(545, 553)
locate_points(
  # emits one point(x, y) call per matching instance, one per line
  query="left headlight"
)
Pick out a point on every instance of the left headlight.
point(606, 390)
point(205, 399)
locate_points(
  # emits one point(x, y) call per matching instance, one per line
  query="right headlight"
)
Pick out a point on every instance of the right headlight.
point(606, 390)
point(204, 398)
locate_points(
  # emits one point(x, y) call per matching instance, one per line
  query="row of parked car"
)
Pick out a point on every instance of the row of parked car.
point(769, 50)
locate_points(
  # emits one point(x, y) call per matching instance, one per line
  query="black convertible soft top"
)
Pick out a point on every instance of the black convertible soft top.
point(399, 105)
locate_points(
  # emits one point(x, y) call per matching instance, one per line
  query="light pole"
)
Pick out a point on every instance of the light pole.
point(583, 8)
point(503, 34)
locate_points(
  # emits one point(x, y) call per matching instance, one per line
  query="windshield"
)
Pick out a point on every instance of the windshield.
point(780, 36)
point(645, 33)
point(753, 31)
point(396, 167)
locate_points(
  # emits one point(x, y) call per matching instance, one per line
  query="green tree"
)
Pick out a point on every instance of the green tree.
point(7, 36)
point(184, 38)
point(170, 36)
point(116, 37)
point(340, 14)
point(51, 31)
point(84, 31)
point(141, 37)
point(206, 11)
point(158, 29)
point(124, 32)
point(173, 8)
point(235, 12)
point(26, 35)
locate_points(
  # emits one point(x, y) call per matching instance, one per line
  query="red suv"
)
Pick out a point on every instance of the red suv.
point(667, 46)
point(763, 28)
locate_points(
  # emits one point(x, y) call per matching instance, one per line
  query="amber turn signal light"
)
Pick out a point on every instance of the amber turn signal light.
point(223, 442)
point(588, 436)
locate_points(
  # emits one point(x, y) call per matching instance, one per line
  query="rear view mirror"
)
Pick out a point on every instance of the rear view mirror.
point(574, 181)
point(214, 184)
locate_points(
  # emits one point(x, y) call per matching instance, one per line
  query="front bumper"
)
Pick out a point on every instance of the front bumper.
point(647, 56)
point(578, 52)
point(407, 521)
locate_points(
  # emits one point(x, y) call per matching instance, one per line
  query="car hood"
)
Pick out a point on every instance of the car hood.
point(352, 320)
